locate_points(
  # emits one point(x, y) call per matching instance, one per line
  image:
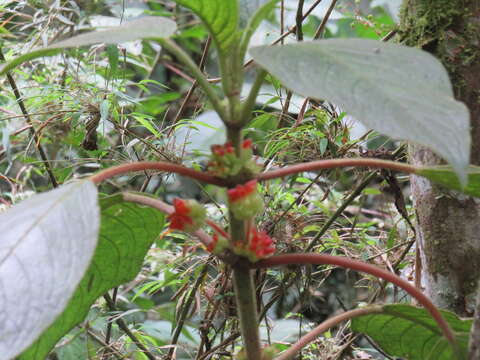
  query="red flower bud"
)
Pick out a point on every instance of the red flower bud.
point(224, 162)
point(188, 216)
point(247, 143)
point(241, 191)
point(244, 200)
point(259, 246)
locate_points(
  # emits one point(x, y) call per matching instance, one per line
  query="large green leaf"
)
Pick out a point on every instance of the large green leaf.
point(144, 28)
point(411, 333)
point(46, 245)
point(444, 175)
point(399, 91)
point(127, 231)
point(221, 18)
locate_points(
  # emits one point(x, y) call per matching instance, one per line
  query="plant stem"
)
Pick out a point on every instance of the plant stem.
point(156, 165)
point(187, 97)
point(322, 259)
point(202, 81)
point(243, 282)
point(323, 327)
point(247, 311)
point(249, 102)
point(336, 163)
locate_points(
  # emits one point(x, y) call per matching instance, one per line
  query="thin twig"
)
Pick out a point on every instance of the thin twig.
point(322, 26)
point(109, 349)
point(122, 325)
point(299, 20)
point(186, 309)
point(36, 138)
point(224, 343)
point(109, 327)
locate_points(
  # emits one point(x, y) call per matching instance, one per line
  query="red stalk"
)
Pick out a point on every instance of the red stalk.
point(322, 259)
point(335, 163)
point(156, 165)
point(217, 228)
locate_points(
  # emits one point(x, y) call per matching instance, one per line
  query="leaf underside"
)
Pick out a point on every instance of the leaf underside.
point(126, 233)
point(142, 28)
point(399, 91)
point(409, 332)
point(47, 244)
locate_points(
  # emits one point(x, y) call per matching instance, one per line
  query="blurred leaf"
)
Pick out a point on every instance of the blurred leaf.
point(444, 175)
point(47, 244)
point(146, 27)
point(113, 54)
point(220, 17)
point(409, 332)
point(126, 233)
point(402, 92)
point(259, 9)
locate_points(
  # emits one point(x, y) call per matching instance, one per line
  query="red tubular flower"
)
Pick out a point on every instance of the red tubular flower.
point(188, 216)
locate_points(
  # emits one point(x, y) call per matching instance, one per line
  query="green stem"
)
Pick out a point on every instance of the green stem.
point(249, 102)
point(243, 282)
point(247, 311)
point(202, 81)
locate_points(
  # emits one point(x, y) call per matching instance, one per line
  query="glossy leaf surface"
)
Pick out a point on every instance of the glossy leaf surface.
point(409, 332)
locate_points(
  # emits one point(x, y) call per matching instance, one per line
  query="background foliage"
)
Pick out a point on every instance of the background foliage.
point(97, 106)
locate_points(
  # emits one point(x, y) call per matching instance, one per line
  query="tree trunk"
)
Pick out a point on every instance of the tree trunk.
point(448, 224)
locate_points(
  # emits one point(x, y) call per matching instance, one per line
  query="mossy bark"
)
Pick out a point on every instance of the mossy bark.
point(448, 224)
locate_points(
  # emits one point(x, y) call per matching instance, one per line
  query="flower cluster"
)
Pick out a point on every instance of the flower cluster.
point(224, 162)
point(188, 216)
point(259, 246)
point(244, 200)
